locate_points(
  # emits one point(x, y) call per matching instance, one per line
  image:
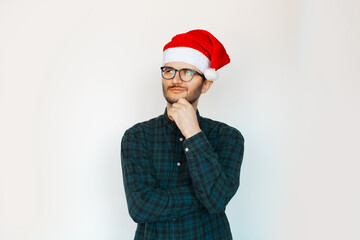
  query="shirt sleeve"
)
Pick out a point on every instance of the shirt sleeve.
point(146, 201)
point(215, 173)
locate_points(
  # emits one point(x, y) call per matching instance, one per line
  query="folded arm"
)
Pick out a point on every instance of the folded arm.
point(215, 173)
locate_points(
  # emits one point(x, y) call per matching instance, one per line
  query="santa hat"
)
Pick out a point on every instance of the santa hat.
point(199, 48)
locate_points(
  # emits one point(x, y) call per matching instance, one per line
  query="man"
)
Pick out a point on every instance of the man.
point(180, 169)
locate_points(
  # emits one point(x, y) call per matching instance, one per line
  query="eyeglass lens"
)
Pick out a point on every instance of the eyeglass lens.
point(185, 74)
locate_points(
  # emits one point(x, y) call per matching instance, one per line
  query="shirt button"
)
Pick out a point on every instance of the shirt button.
point(179, 164)
point(181, 139)
point(186, 149)
point(174, 219)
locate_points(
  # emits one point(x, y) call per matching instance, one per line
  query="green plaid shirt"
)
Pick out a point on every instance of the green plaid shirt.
point(178, 188)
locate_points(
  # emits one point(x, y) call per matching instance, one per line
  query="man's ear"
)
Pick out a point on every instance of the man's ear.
point(206, 85)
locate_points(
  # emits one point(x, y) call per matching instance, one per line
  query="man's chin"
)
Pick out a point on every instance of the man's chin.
point(171, 100)
point(174, 100)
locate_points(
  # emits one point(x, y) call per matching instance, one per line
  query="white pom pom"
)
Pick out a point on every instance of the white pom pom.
point(211, 74)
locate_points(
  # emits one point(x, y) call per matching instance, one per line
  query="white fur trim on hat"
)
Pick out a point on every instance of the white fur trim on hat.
point(211, 74)
point(188, 55)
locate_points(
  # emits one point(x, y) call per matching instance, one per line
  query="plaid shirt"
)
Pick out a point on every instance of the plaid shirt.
point(178, 188)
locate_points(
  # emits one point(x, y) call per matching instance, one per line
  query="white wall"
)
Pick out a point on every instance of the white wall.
point(70, 85)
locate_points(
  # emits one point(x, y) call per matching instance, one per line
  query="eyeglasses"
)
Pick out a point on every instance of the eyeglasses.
point(186, 74)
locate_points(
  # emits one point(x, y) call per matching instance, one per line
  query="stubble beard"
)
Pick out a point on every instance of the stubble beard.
point(191, 98)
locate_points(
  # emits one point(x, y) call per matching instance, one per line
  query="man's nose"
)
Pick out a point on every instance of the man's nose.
point(176, 78)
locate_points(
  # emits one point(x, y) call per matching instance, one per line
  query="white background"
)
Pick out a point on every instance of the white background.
point(75, 74)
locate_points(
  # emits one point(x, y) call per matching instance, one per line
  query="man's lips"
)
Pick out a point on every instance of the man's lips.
point(175, 89)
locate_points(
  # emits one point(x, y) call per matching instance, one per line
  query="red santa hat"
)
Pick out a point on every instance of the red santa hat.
point(199, 48)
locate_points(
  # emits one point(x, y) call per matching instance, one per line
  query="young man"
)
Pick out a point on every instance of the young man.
point(180, 169)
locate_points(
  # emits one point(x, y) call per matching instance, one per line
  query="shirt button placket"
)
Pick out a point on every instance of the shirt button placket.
point(179, 163)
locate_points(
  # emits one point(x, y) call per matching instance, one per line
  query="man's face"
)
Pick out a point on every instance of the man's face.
point(175, 88)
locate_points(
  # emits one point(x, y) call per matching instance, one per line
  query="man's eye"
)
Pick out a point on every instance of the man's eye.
point(189, 72)
point(168, 70)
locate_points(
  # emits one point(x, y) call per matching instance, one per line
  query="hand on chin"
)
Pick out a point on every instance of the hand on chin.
point(184, 115)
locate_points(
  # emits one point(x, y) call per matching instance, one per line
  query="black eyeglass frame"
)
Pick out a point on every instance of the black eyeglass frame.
point(178, 70)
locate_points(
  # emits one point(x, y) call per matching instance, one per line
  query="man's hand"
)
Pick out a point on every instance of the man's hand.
point(184, 115)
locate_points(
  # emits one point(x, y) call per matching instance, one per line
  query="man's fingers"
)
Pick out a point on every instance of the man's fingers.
point(177, 106)
point(181, 105)
point(183, 101)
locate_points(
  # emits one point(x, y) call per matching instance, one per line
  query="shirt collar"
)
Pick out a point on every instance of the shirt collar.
point(172, 125)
